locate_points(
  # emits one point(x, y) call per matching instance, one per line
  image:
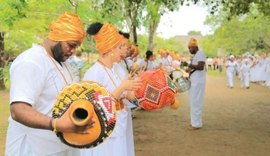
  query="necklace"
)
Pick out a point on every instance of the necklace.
point(55, 64)
point(104, 66)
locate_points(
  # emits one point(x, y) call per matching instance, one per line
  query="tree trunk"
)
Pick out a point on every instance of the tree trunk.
point(134, 32)
point(2, 61)
point(152, 31)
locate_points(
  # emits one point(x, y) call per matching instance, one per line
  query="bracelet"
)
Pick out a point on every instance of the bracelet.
point(54, 125)
point(50, 124)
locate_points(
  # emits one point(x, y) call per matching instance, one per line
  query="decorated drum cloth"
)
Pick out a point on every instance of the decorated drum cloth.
point(158, 90)
point(183, 84)
point(79, 103)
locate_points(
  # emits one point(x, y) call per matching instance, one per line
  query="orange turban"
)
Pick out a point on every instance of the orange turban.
point(107, 38)
point(162, 52)
point(68, 27)
point(192, 42)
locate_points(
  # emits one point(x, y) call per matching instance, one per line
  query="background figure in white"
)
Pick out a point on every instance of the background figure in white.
point(166, 61)
point(252, 70)
point(220, 64)
point(261, 69)
point(267, 69)
point(209, 63)
point(149, 62)
point(198, 79)
point(76, 64)
point(230, 71)
point(245, 73)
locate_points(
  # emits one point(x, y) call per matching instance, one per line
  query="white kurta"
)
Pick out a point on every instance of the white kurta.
point(120, 142)
point(245, 75)
point(230, 71)
point(35, 80)
point(197, 91)
point(267, 69)
point(167, 63)
point(261, 70)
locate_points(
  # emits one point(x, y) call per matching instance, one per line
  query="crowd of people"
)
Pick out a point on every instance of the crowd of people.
point(248, 68)
point(38, 74)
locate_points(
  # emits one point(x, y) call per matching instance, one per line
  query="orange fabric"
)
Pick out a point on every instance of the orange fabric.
point(107, 38)
point(157, 90)
point(192, 42)
point(68, 27)
point(162, 52)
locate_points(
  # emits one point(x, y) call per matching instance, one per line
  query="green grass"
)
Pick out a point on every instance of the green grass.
point(4, 114)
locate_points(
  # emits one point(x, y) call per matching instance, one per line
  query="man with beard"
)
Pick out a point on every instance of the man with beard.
point(197, 77)
point(37, 75)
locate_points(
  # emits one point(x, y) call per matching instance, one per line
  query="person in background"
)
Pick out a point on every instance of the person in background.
point(37, 76)
point(231, 66)
point(267, 70)
point(196, 70)
point(245, 73)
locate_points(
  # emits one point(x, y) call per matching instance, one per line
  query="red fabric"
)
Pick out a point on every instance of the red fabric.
point(155, 92)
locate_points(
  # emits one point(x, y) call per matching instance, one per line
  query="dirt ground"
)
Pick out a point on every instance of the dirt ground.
point(236, 123)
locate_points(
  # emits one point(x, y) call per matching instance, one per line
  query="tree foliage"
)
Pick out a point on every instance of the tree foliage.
point(249, 33)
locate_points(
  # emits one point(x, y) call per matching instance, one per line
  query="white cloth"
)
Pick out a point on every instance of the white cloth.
point(245, 75)
point(267, 70)
point(261, 70)
point(35, 80)
point(167, 63)
point(198, 75)
point(230, 71)
point(120, 142)
point(197, 91)
point(123, 73)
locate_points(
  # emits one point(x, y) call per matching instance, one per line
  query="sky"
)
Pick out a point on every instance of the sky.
point(180, 22)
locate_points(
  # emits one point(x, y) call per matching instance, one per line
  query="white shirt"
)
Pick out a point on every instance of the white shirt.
point(116, 143)
point(36, 81)
point(231, 66)
point(198, 75)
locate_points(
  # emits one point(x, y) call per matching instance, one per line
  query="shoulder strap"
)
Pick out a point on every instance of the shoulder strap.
point(192, 72)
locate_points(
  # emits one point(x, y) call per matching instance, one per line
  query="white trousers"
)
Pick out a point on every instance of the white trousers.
point(230, 75)
point(196, 98)
point(267, 82)
point(245, 80)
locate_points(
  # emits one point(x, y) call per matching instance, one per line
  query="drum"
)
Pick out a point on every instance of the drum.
point(176, 74)
point(79, 103)
point(183, 84)
point(181, 80)
point(158, 90)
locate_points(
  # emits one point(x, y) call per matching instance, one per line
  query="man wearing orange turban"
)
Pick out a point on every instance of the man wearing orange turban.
point(197, 77)
point(37, 75)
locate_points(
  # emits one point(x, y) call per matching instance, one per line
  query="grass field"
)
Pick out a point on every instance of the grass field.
point(4, 113)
